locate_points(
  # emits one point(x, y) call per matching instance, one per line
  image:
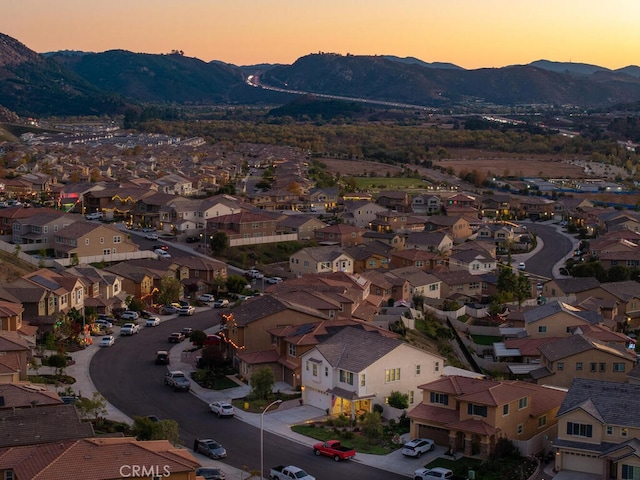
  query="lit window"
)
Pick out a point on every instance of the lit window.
point(392, 375)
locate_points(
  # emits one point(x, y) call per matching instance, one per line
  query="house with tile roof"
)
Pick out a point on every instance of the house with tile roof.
point(103, 289)
point(84, 239)
point(458, 227)
point(420, 282)
point(567, 289)
point(37, 231)
point(598, 431)
point(341, 235)
point(26, 395)
point(105, 458)
point(360, 213)
point(438, 242)
point(304, 226)
point(354, 369)
point(324, 259)
point(627, 296)
point(469, 414)
point(556, 319)
point(15, 353)
point(413, 257)
point(476, 262)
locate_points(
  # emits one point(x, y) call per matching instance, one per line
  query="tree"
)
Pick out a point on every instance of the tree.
point(262, 382)
point(145, 428)
point(398, 400)
point(92, 407)
point(219, 242)
point(198, 337)
point(59, 362)
point(170, 290)
point(236, 283)
point(372, 426)
point(521, 289)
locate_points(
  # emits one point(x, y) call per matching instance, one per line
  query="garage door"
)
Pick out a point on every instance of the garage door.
point(581, 463)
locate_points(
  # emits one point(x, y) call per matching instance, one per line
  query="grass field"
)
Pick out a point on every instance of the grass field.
point(389, 183)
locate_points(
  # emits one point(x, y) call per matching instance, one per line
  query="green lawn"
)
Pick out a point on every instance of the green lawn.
point(358, 443)
point(485, 339)
point(461, 466)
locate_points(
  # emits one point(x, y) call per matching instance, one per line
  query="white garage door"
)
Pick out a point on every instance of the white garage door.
point(581, 463)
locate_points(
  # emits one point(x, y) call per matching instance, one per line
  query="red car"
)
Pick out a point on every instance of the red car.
point(334, 449)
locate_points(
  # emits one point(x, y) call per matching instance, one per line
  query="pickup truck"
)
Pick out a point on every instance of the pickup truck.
point(178, 380)
point(129, 329)
point(334, 449)
point(437, 473)
point(288, 473)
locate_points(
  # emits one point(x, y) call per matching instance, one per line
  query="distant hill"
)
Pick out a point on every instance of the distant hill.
point(417, 61)
point(32, 85)
point(311, 107)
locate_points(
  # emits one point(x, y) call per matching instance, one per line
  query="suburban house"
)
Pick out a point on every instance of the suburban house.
point(457, 284)
point(420, 282)
point(84, 239)
point(103, 289)
point(326, 198)
point(243, 225)
point(360, 213)
point(10, 313)
point(304, 226)
point(457, 227)
point(413, 257)
point(469, 414)
point(388, 286)
point(426, 203)
point(496, 206)
point(37, 232)
point(397, 200)
point(556, 319)
point(354, 369)
point(64, 291)
point(173, 184)
point(598, 431)
point(567, 289)
point(340, 234)
point(369, 256)
point(26, 395)
point(320, 260)
point(438, 242)
point(476, 262)
point(626, 293)
point(579, 356)
point(15, 353)
point(400, 222)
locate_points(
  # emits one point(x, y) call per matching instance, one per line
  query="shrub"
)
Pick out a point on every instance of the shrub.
point(379, 409)
point(398, 400)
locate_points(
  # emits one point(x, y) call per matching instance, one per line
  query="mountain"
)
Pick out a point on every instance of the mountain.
point(378, 78)
point(417, 61)
point(570, 68)
point(33, 85)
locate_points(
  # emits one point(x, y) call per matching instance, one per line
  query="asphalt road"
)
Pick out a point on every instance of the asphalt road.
point(126, 375)
point(556, 246)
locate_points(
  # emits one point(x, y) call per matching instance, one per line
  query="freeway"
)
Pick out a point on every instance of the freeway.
point(126, 375)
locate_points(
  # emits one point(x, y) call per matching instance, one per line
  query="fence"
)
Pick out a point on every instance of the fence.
point(237, 242)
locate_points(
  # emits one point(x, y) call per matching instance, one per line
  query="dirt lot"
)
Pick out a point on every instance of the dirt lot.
point(488, 162)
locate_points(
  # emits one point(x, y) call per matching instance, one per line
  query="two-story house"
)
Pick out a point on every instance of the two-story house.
point(557, 319)
point(84, 239)
point(360, 213)
point(340, 234)
point(439, 242)
point(458, 227)
point(476, 262)
point(420, 282)
point(353, 369)
point(429, 204)
point(37, 232)
point(397, 200)
point(15, 353)
point(469, 414)
point(320, 260)
point(598, 431)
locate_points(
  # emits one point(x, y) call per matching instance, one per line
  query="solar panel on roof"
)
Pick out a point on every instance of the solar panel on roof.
point(304, 329)
point(45, 282)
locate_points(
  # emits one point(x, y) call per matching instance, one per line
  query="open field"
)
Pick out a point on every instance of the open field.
point(349, 168)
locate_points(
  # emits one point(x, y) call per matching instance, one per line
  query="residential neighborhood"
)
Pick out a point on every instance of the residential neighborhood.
point(428, 295)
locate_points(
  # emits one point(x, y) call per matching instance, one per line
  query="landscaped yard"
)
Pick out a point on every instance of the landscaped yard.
point(485, 339)
point(355, 440)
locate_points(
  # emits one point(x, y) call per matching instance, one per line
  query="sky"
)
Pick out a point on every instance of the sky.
point(469, 33)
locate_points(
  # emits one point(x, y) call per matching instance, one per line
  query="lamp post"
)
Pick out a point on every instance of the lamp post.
point(262, 436)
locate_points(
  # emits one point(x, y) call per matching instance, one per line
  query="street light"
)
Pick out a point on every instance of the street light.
point(262, 436)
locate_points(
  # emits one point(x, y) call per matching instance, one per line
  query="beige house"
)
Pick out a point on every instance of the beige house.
point(87, 239)
point(38, 231)
point(352, 370)
point(470, 414)
point(598, 431)
point(320, 260)
point(555, 319)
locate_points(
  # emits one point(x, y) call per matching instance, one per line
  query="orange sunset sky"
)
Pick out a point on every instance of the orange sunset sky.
point(469, 33)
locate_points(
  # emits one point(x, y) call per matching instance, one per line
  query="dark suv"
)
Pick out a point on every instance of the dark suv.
point(162, 357)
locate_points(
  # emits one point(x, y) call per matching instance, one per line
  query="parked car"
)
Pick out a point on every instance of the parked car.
point(129, 329)
point(176, 337)
point(334, 449)
point(103, 323)
point(151, 236)
point(206, 297)
point(210, 473)
point(162, 253)
point(253, 273)
point(152, 322)
point(177, 380)
point(129, 315)
point(273, 280)
point(169, 310)
point(188, 310)
point(418, 446)
point(210, 448)
point(107, 341)
point(437, 473)
point(287, 473)
point(222, 409)
point(522, 266)
point(94, 216)
point(160, 247)
point(223, 303)
point(192, 239)
point(186, 331)
point(162, 357)
point(148, 229)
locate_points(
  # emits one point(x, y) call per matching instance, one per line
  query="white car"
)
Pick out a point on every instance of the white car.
point(101, 322)
point(162, 253)
point(274, 280)
point(418, 446)
point(223, 303)
point(107, 341)
point(129, 315)
point(522, 266)
point(129, 329)
point(186, 310)
point(253, 273)
point(222, 409)
point(151, 236)
point(206, 297)
point(152, 322)
point(94, 216)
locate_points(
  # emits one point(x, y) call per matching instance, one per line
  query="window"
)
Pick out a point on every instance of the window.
point(603, 367)
point(417, 369)
point(411, 398)
point(346, 377)
point(519, 429)
point(505, 410)
point(441, 398)
point(8, 475)
point(630, 472)
point(579, 366)
point(326, 371)
point(275, 340)
point(624, 432)
point(542, 329)
point(477, 410)
point(433, 287)
point(560, 365)
point(363, 380)
point(522, 403)
point(106, 251)
point(314, 369)
point(292, 350)
point(542, 421)
point(579, 429)
point(618, 367)
point(86, 241)
point(609, 430)
point(392, 375)
point(592, 367)
point(117, 239)
point(101, 240)
point(437, 367)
